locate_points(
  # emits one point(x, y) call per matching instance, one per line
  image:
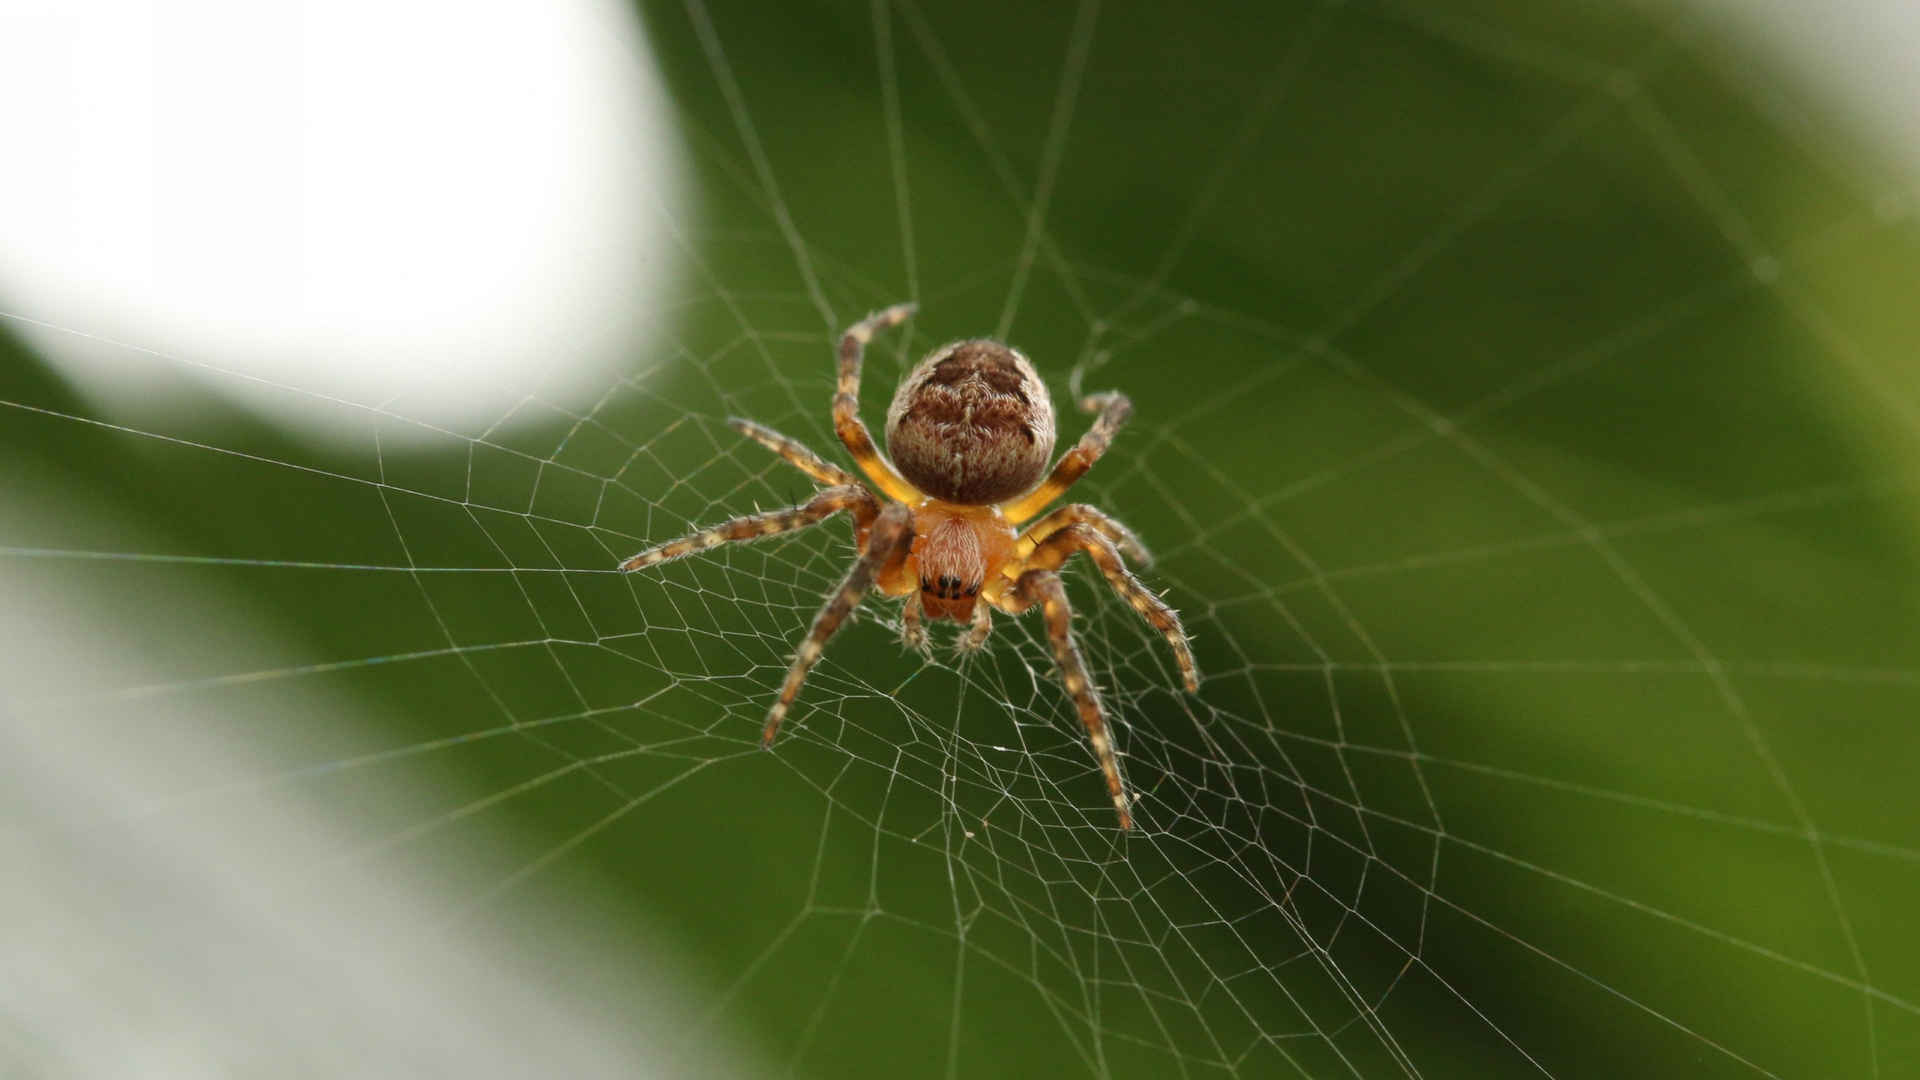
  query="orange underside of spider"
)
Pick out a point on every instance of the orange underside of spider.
point(973, 423)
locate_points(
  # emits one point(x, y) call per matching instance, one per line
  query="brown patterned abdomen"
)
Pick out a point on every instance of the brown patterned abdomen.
point(972, 424)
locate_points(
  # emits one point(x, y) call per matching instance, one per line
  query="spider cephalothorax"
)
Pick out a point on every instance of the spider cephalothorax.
point(971, 430)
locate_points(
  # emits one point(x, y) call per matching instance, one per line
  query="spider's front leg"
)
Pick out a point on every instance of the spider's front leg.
point(887, 547)
point(913, 627)
point(975, 638)
point(1043, 587)
point(1050, 553)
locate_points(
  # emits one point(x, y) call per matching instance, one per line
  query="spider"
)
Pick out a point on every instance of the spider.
point(971, 430)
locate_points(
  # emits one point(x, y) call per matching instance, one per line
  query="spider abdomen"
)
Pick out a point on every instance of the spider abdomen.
point(972, 424)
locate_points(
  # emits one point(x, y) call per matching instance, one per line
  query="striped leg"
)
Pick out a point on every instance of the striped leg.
point(846, 405)
point(1114, 408)
point(1043, 587)
point(802, 458)
point(1056, 549)
point(854, 498)
point(1082, 514)
point(888, 544)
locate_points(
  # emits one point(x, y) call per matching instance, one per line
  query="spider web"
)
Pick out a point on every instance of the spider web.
point(1552, 594)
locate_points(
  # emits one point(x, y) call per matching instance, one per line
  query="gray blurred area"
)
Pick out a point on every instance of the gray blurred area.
point(223, 934)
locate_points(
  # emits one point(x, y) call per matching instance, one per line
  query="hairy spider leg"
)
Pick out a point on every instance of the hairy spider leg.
point(913, 630)
point(975, 638)
point(1113, 409)
point(886, 549)
point(846, 405)
point(855, 499)
point(1043, 587)
point(1055, 550)
point(1082, 514)
point(802, 458)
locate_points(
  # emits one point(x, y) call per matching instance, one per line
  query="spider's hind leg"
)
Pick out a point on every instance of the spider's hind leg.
point(1113, 409)
point(887, 545)
point(796, 453)
point(846, 404)
point(853, 498)
point(1091, 516)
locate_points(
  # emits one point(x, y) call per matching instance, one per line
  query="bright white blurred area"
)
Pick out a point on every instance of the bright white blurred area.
point(147, 933)
point(1858, 56)
point(435, 206)
point(431, 206)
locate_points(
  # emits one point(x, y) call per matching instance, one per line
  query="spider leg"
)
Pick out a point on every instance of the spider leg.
point(855, 499)
point(1082, 514)
point(1043, 587)
point(1113, 408)
point(802, 458)
point(1058, 548)
point(846, 405)
point(887, 545)
point(975, 638)
point(913, 632)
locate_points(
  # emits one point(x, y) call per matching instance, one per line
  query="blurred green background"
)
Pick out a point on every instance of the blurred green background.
point(1525, 427)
